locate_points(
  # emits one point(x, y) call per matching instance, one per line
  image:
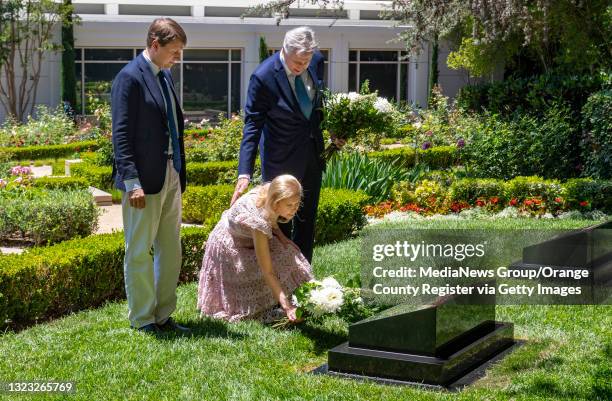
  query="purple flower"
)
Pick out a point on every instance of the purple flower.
point(426, 145)
point(460, 143)
point(18, 170)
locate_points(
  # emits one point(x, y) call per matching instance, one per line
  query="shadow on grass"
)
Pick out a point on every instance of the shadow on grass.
point(205, 328)
point(322, 338)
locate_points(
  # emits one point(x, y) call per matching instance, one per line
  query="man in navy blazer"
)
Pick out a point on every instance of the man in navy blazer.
point(149, 169)
point(283, 118)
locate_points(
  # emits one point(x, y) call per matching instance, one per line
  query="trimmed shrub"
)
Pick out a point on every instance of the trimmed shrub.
point(47, 216)
point(470, 189)
point(49, 151)
point(205, 204)
point(596, 194)
point(339, 215)
point(60, 183)
point(211, 173)
point(52, 281)
point(100, 177)
point(440, 157)
point(597, 140)
point(521, 188)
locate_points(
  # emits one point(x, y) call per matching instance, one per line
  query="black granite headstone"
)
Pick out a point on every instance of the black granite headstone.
point(433, 344)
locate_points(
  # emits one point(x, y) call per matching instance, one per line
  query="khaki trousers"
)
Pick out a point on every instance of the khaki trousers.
point(151, 277)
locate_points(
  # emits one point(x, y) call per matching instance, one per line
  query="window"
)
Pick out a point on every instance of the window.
point(211, 81)
point(386, 71)
point(324, 52)
point(207, 81)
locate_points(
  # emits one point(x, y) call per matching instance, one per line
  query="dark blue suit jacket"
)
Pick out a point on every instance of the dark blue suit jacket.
point(273, 110)
point(140, 127)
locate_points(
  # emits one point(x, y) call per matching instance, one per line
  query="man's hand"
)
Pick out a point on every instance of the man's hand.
point(339, 142)
point(241, 186)
point(137, 198)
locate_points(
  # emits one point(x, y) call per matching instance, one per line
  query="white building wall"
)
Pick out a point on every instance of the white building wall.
point(109, 29)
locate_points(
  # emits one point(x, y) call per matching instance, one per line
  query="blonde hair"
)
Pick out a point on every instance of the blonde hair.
point(282, 187)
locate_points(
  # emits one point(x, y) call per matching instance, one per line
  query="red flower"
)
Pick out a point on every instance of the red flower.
point(480, 202)
point(494, 200)
point(528, 202)
point(558, 199)
point(537, 201)
point(584, 203)
point(513, 202)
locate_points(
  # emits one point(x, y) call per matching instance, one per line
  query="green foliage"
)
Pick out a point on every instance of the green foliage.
point(597, 193)
point(597, 139)
point(521, 188)
point(100, 177)
point(204, 204)
point(211, 173)
point(263, 49)
point(44, 152)
point(440, 157)
point(339, 215)
point(470, 189)
point(358, 172)
point(46, 216)
point(477, 59)
point(82, 273)
point(221, 143)
point(60, 183)
point(50, 127)
point(532, 95)
point(524, 146)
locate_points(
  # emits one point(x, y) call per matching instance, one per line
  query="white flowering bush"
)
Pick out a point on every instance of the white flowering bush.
point(353, 115)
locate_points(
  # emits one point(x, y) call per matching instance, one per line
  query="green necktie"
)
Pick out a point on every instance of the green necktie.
point(302, 96)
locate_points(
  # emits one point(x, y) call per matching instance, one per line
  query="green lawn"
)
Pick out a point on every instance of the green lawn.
point(568, 353)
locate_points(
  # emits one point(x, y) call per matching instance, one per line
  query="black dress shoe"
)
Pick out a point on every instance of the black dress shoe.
point(171, 325)
point(150, 328)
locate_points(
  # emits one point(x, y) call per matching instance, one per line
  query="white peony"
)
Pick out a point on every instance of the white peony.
point(331, 282)
point(353, 96)
point(326, 299)
point(382, 105)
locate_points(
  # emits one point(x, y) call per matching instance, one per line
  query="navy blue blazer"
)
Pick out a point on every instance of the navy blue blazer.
point(140, 127)
point(273, 110)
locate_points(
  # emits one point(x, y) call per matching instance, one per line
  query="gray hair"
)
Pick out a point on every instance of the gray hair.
point(300, 40)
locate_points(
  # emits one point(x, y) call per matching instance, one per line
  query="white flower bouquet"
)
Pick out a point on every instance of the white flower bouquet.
point(316, 299)
point(347, 115)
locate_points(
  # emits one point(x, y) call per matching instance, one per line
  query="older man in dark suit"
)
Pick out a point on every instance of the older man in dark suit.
point(149, 169)
point(283, 118)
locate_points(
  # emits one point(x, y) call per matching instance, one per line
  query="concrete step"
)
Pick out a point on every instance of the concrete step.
point(102, 198)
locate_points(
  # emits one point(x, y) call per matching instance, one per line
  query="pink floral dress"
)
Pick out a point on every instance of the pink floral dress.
point(231, 284)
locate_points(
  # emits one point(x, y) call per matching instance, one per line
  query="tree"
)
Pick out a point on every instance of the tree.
point(571, 35)
point(26, 30)
point(68, 56)
point(263, 49)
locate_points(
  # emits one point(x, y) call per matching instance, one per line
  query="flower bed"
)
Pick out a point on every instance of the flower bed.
point(521, 196)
